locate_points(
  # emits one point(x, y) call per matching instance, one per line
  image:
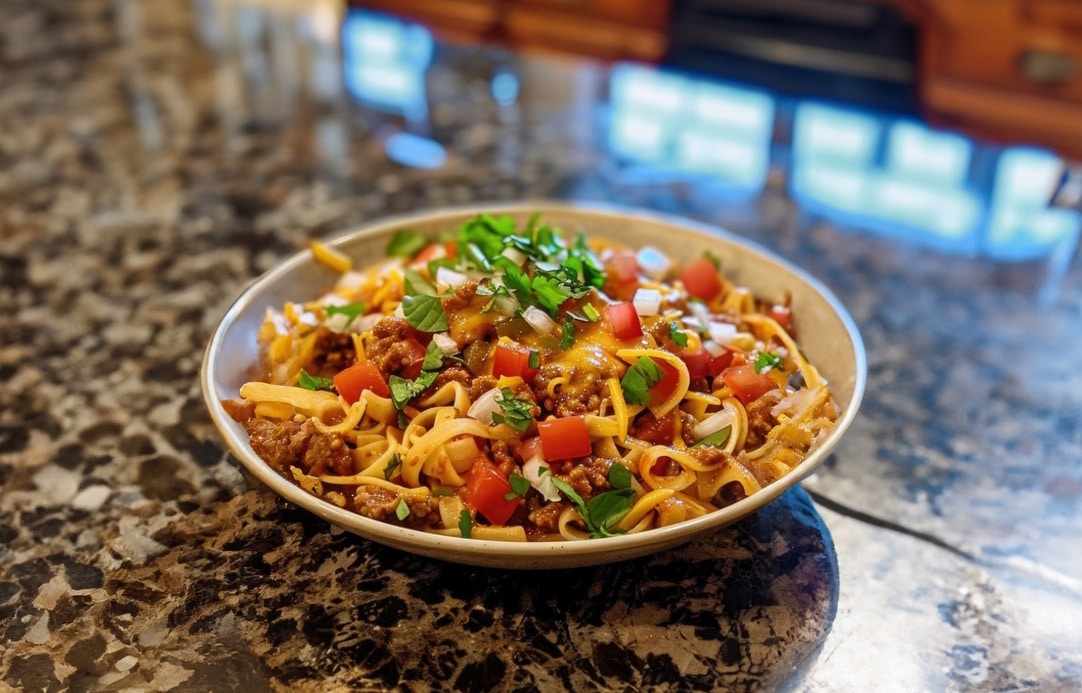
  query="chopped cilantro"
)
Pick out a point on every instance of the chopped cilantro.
point(416, 284)
point(350, 310)
point(406, 243)
point(677, 335)
point(520, 486)
point(638, 380)
point(402, 390)
point(534, 359)
point(392, 464)
point(766, 360)
point(569, 336)
point(402, 511)
point(715, 439)
point(465, 524)
point(517, 413)
point(603, 510)
point(315, 382)
point(590, 312)
point(425, 313)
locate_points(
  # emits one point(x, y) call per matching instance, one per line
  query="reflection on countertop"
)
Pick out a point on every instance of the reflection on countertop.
point(157, 160)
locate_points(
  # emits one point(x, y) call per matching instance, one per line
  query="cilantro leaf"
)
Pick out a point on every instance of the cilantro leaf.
point(402, 511)
point(619, 476)
point(517, 413)
point(425, 313)
point(766, 360)
point(568, 339)
point(415, 284)
point(677, 335)
point(638, 380)
point(315, 382)
point(520, 486)
point(465, 524)
point(406, 243)
point(350, 310)
point(392, 464)
point(403, 390)
point(550, 292)
point(715, 439)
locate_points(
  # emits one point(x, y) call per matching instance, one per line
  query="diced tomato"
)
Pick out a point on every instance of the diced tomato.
point(697, 361)
point(624, 321)
point(731, 357)
point(564, 438)
point(529, 449)
point(782, 315)
point(701, 279)
point(432, 251)
point(513, 359)
point(359, 377)
point(665, 387)
point(487, 491)
point(413, 358)
point(745, 383)
point(622, 267)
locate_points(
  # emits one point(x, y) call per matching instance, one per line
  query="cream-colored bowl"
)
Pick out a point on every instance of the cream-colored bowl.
point(826, 331)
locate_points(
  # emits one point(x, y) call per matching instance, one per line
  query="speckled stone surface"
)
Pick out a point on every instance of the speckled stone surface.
point(157, 156)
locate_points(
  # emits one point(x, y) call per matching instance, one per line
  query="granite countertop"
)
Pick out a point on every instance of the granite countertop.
point(156, 157)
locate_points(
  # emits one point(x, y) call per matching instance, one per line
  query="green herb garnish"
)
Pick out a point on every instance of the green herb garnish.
point(402, 511)
point(534, 359)
point(425, 313)
point(677, 335)
point(590, 312)
point(638, 380)
point(392, 464)
point(405, 243)
point(568, 339)
point(766, 360)
point(605, 509)
point(403, 390)
point(315, 382)
point(350, 310)
point(520, 486)
point(715, 439)
point(517, 413)
point(416, 284)
point(465, 524)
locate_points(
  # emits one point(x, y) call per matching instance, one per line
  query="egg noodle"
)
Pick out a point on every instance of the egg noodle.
point(510, 383)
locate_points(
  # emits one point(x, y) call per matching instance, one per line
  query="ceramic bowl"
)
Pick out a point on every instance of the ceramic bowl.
point(827, 334)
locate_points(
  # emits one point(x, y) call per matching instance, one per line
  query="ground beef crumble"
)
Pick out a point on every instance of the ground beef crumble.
point(297, 443)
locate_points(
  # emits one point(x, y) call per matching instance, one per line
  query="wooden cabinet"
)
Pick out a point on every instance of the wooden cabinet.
point(606, 29)
point(1006, 69)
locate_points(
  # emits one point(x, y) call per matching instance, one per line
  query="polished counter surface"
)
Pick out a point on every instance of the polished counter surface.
point(156, 157)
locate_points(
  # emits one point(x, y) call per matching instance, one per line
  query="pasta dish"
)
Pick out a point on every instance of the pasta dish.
point(512, 382)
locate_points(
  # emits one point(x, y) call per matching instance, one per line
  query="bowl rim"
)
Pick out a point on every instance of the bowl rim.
point(458, 549)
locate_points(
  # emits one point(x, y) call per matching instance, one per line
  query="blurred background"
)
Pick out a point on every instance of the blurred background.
point(945, 123)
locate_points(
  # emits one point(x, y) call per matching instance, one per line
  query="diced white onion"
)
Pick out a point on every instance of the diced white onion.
point(701, 313)
point(485, 406)
point(453, 279)
point(653, 262)
point(364, 323)
point(337, 323)
point(514, 255)
point(714, 423)
point(446, 344)
point(333, 299)
point(308, 318)
point(506, 305)
point(540, 480)
point(539, 320)
point(350, 280)
point(794, 403)
point(713, 348)
point(721, 332)
point(647, 302)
